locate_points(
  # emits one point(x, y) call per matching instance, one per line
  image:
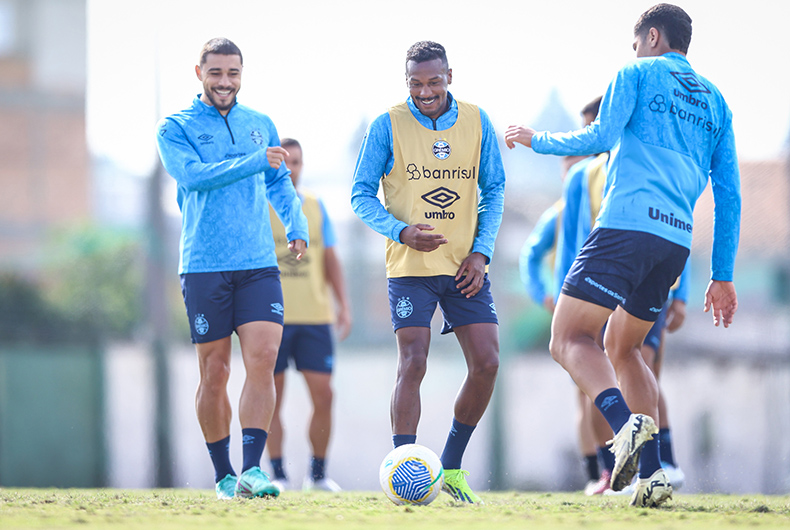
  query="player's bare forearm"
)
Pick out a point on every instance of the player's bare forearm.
point(721, 298)
point(420, 237)
point(471, 274)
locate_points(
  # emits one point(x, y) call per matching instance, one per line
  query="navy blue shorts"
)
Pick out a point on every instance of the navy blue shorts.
point(628, 268)
point(310, 347)
point(219, 302)
point(413, 302)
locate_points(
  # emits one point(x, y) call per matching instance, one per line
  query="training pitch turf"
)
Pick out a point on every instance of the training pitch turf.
point(197, 509)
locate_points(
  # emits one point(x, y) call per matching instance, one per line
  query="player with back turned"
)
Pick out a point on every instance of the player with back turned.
point(673, 132)
point(438, 162)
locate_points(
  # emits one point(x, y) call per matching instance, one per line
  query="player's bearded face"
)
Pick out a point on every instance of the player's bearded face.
point(221, 78)
point(428, 84)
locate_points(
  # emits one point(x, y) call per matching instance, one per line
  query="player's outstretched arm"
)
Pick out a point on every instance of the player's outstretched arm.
point(419, 237)
point(519, 134)
point(722, 298)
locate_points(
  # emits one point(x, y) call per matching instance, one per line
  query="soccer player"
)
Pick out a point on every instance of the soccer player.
point(307, 334)
point(227, 160)
point(674, 131)
point(438, 162)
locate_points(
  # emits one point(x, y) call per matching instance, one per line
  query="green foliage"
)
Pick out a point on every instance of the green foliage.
point(88, 290)
point(95, 279)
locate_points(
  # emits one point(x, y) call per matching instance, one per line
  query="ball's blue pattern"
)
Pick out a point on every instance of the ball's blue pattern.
point(411, 480)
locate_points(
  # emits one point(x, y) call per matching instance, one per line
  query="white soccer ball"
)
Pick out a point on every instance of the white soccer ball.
point(411, 474)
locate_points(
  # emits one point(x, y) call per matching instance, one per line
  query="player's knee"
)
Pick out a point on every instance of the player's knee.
point(215, 374)
point(485, 367)
point(556, 348)
point(412, 365)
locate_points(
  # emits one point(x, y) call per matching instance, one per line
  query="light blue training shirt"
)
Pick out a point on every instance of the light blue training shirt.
point(675, 132)
point(224, 180)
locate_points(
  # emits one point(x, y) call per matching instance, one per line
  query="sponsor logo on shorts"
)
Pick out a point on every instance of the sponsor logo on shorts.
point(656, 215)
point(441, 149)
point(603, 289)
point(201, 324)
point(277, 308)
point(256, 137)
point(416, 173)
point(403, 308)
point(655, 309)
point(493, 307)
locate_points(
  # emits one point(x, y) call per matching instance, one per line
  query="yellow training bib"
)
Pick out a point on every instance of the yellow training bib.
point(434, 180)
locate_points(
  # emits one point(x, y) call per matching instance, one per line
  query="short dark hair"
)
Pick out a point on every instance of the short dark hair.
point(593, 106)
point(290, 142)
point(426, 50)
point(671, 21)
point(220, 46)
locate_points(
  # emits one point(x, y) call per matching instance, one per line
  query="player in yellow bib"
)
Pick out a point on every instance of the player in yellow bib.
point(438, 162)
point(308, 288)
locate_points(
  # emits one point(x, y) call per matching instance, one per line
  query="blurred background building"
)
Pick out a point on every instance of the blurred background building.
point(97, 372)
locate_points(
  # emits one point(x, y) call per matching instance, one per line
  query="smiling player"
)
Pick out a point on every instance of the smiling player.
point(439, 164)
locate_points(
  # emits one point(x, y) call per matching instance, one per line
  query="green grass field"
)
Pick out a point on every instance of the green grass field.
point(197, 509)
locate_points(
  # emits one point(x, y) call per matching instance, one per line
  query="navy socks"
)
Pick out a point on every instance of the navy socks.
point(220, 457)
point(665, 446)
point(456, 444)
point(253, 441)
point(403, 439)
point(612, 405)
point(278, 469)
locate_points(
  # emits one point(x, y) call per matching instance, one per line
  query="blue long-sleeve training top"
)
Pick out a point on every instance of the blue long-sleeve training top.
point(224, 180)
point(376, 160)
point(537, 246)
point(674, 131)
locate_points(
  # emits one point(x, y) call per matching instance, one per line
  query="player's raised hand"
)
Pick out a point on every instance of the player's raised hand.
point(472, 274)
point(419, 237)
point(275, 155)
point(298, 247)
point(519, 134)
point(722, 298)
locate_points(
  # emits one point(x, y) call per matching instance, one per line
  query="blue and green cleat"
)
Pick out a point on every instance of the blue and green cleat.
point(255, 483)
point(455, 485)
point(226, 487)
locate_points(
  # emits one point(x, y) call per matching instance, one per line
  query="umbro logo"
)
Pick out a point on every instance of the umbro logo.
point(205, 137)
point(690, 82)
point(441, 197)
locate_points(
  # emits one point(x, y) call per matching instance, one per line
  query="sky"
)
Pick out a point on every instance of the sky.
point(323, 70)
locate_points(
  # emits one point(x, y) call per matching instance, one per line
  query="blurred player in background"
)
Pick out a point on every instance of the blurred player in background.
point(543, 245)
point(307, 334)
point(438, 162)
point(227, 160)
point(674, 132)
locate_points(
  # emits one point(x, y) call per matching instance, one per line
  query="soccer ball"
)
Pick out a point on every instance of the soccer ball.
point(411, 474)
